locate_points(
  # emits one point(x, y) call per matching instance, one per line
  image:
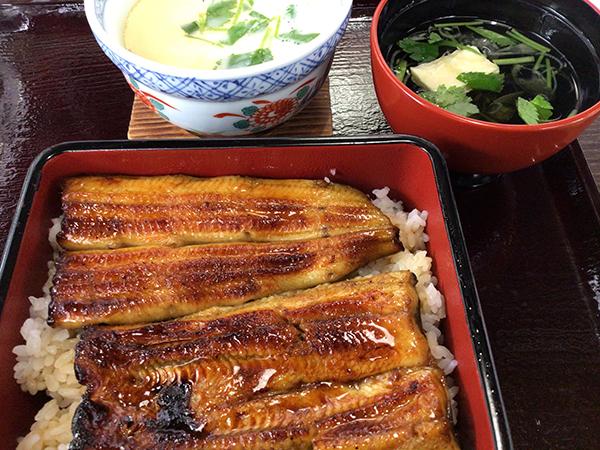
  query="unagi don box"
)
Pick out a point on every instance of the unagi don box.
point(222, 372)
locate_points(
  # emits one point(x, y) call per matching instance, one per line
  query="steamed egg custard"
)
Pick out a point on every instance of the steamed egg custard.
point(222, 34)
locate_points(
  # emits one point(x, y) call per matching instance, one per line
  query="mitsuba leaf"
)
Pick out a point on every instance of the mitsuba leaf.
point(296, 37)
point(239, 30)
point(543, 106)
point(419, 51)
point(201, 22)
point(260, 25)
point(481, 81)
point(444, 97)
point(527, 111)
point(534, 111)
point(434, 38)
point(496, 38)
point(257, 15)
point(400, 69)
point(258, 56)
point(453, 99)
point(463, 109)
point(220, 12)
point(290, 12)
point(191, 27)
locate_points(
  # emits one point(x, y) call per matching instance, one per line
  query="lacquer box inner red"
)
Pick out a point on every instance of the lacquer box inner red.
point(412, 169)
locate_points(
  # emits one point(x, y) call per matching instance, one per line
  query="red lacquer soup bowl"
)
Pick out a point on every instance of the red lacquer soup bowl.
point(473, 146)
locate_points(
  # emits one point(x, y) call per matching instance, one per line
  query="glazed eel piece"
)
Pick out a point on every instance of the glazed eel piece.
point(340, 366)
point(148, 284)
point(118, 211)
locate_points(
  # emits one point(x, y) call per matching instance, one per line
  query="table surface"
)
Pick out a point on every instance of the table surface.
point(532, 236)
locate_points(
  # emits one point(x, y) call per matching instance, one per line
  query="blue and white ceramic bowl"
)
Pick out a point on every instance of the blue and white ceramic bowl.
point(231, 102)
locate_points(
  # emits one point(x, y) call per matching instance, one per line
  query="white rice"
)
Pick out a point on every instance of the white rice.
point(414, 258)
point(46, 361)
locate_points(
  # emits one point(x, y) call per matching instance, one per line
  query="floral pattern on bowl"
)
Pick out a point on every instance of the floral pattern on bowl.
point(154, 103)
point(262, 115)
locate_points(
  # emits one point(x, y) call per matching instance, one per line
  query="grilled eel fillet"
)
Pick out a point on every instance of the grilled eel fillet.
point(337, 366)
point(118, 211)
point(147, 284)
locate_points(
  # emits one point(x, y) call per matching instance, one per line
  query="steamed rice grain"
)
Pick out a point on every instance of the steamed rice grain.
point(51, 429)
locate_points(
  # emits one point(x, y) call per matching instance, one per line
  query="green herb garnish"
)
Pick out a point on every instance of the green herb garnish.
point(220, 13)
point(434, 38)
point(479, 81)
point(513, 61)
point(259, 16)
point(543, 106)
point(400, 69)
point(550, 74)
point(538, 62)
point(236, 19)
point(424, 52)
point(496, 38)
point(258, 56)
point(236, 32)
point(535, 111)
point(526, 64)
point(453, 99)
point(272, 32)
point(239, 11)
point(277, 26)
point(296, 37)
point(191, 27)
point(290, 12)
point(419, 51)
point(525, 40)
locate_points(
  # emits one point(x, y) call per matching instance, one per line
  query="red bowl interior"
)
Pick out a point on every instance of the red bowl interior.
point(414, 174)
point(469, 145)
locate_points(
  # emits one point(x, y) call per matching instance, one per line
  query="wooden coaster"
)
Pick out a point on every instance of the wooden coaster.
point(313, 120)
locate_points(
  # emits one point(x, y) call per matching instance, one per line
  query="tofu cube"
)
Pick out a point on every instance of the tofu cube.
point(445, 69)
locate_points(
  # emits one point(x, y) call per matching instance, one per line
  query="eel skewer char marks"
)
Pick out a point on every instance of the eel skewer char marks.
point(117, 211)
point(148, 284)
point(342, 365)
